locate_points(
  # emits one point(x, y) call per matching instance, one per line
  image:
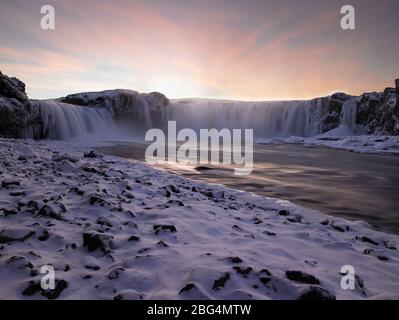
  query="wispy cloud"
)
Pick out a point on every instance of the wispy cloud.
point(248, 50)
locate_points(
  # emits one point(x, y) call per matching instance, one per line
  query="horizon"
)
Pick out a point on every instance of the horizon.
point(252, 51)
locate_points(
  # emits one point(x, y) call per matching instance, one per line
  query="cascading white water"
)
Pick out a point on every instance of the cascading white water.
point(348, 115)
point(65, 121)
point(268, 119)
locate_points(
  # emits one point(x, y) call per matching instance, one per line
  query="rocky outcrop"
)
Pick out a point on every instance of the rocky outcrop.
point(19, 117)
point(373, 113)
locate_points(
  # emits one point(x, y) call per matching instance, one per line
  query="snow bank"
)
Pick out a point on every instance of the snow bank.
point(120, 230)
point(337, 139)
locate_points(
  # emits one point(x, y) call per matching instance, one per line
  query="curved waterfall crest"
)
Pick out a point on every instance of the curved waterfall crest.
point(277, 119)
point(267, 119)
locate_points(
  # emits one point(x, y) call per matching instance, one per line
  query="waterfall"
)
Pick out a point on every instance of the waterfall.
point(348, 114)
point(268, 119)
point(65, 121)
point(277, 119)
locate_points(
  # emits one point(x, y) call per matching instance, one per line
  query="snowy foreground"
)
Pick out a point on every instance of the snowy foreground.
point(120, 230)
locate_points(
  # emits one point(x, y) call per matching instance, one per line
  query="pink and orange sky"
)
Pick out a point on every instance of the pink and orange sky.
point(249, 50)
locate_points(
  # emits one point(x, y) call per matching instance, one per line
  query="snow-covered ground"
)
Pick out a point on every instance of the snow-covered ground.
point(114, 229)
point(355, 143)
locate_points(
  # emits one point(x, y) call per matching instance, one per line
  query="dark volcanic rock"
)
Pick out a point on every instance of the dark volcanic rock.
point(187, 287)
point(94, 240)
point(7, 236)
point(53, 210)
point(316, 293)
point(34, 287)
point(243, 271)
point(300, 276)
point(219, 283)
point(158, 227)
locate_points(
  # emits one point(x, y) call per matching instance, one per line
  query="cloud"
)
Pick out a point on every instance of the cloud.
point(243, 50)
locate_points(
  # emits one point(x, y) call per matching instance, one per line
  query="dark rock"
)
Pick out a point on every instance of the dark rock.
point(159, 227)
point(389, 246)
point(235, 259)
point(243, 271)
point(265, 280)
point(265, 271)
point(366, 239)
point(294, 219)
point(162, 244)
point(316, 293)
point(269, 233)
point(340, 228)
point(60, 285)
point(302, 277)
point(134, 238)
point(213, 194)
point(10, 182)
point(53, 210)
point(114, 274)
point(95, 240)
point(17, 193)
point(65, 157)
point(257, 221)
point(20, 262)
point(187, 287)
point(6, 238)
point(94, 199)
point(34, 287)
point(176, 202)
point(219, 283)
point(92, 154)
point(284, 213)
point(325, 222)
point(44, 236)
point(92, 267)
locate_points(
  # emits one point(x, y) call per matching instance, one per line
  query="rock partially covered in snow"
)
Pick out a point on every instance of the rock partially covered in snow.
point(19, 117)
point(369, 113)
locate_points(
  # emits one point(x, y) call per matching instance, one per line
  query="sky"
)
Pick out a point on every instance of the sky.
point(230, 49)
